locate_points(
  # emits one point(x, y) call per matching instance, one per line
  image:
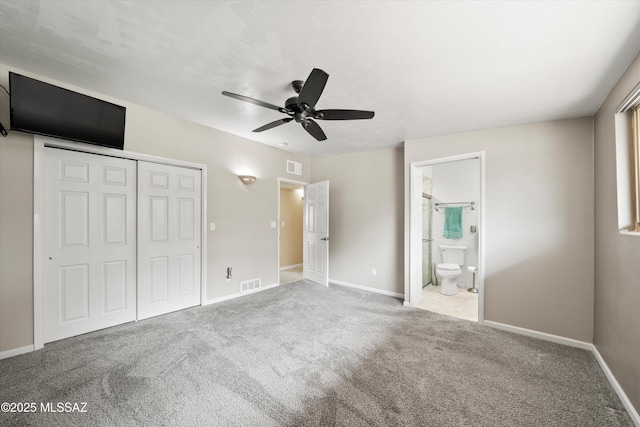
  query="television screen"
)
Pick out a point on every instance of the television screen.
point(45, 109)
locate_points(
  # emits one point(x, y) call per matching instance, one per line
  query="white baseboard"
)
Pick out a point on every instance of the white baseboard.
point(366, 288)
point(16, 351)
point(578, 344)
point(290, 267)
point(635, 417)
point(238, 294)
point(541, 335)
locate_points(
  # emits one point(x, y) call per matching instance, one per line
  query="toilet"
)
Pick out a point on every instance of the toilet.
point(451, 268)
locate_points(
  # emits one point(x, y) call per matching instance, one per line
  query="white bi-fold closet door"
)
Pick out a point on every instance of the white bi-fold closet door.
point(120, 241)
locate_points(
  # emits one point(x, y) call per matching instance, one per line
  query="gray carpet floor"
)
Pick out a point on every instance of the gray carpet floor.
point(303, 354)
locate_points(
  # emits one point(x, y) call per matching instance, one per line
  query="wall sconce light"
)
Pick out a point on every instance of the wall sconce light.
point(247, 179)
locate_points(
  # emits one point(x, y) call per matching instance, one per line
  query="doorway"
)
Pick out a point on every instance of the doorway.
point(290, 227)
point(454, 184)
point(315, 231)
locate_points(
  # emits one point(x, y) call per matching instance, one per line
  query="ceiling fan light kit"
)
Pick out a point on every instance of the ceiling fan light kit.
point(301, 108)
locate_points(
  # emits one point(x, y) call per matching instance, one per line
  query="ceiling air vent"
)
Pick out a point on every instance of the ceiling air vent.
point(294, 167)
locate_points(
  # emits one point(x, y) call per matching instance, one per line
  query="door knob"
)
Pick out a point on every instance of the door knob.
point(325, 239)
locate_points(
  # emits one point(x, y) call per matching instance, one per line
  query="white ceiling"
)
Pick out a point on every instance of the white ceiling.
point(426, 68)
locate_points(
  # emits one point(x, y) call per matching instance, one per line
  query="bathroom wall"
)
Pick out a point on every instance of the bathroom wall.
point(457, 181)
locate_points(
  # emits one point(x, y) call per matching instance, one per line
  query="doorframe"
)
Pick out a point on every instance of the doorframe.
point(39, 144)
point(279, 182)
point(413, 287)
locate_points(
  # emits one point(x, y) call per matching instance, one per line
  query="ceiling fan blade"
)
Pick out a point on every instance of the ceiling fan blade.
point(312, 88)
point(254, 101)
point(273, 124)
point(314, 130)
point(343, 114)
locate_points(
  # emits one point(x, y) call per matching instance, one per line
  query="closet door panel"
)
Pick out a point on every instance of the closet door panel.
point(89, 246)
point(169, 206)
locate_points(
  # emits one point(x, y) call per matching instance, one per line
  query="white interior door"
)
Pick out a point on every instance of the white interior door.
point(169, 214)
point(89, 242)
point(316, 232)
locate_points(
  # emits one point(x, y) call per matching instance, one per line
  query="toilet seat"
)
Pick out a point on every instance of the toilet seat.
point(448, 267)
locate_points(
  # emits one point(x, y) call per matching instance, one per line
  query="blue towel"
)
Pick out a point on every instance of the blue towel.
point(453, 223)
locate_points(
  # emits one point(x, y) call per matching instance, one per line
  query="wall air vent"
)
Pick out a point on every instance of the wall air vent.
point(249, 285)
point(294, 167)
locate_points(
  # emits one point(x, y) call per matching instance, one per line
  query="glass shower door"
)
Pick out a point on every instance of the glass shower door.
point(427, 268)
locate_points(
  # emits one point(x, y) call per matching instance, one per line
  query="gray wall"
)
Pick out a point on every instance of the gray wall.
point(243, 238)
point(617, 257)
point(16, 236)
point(366, 217)
point(539, 221)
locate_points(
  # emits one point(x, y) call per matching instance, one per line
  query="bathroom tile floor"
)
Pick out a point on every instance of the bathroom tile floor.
point(463, 305)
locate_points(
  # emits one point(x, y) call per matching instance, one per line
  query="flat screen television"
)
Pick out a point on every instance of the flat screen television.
point(45, 109)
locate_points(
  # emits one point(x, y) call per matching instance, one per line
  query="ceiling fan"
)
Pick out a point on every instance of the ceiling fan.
point(301, 108)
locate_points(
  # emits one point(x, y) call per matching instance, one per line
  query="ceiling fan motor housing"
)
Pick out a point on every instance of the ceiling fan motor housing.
point(291, 104)
point(299, 113)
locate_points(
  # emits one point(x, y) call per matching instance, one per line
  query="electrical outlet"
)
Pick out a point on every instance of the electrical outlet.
point(373, 272)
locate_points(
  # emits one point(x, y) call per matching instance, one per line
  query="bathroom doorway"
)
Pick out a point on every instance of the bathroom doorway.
point(443, 189)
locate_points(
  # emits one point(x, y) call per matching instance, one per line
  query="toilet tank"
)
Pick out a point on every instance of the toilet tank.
point(453, 254)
